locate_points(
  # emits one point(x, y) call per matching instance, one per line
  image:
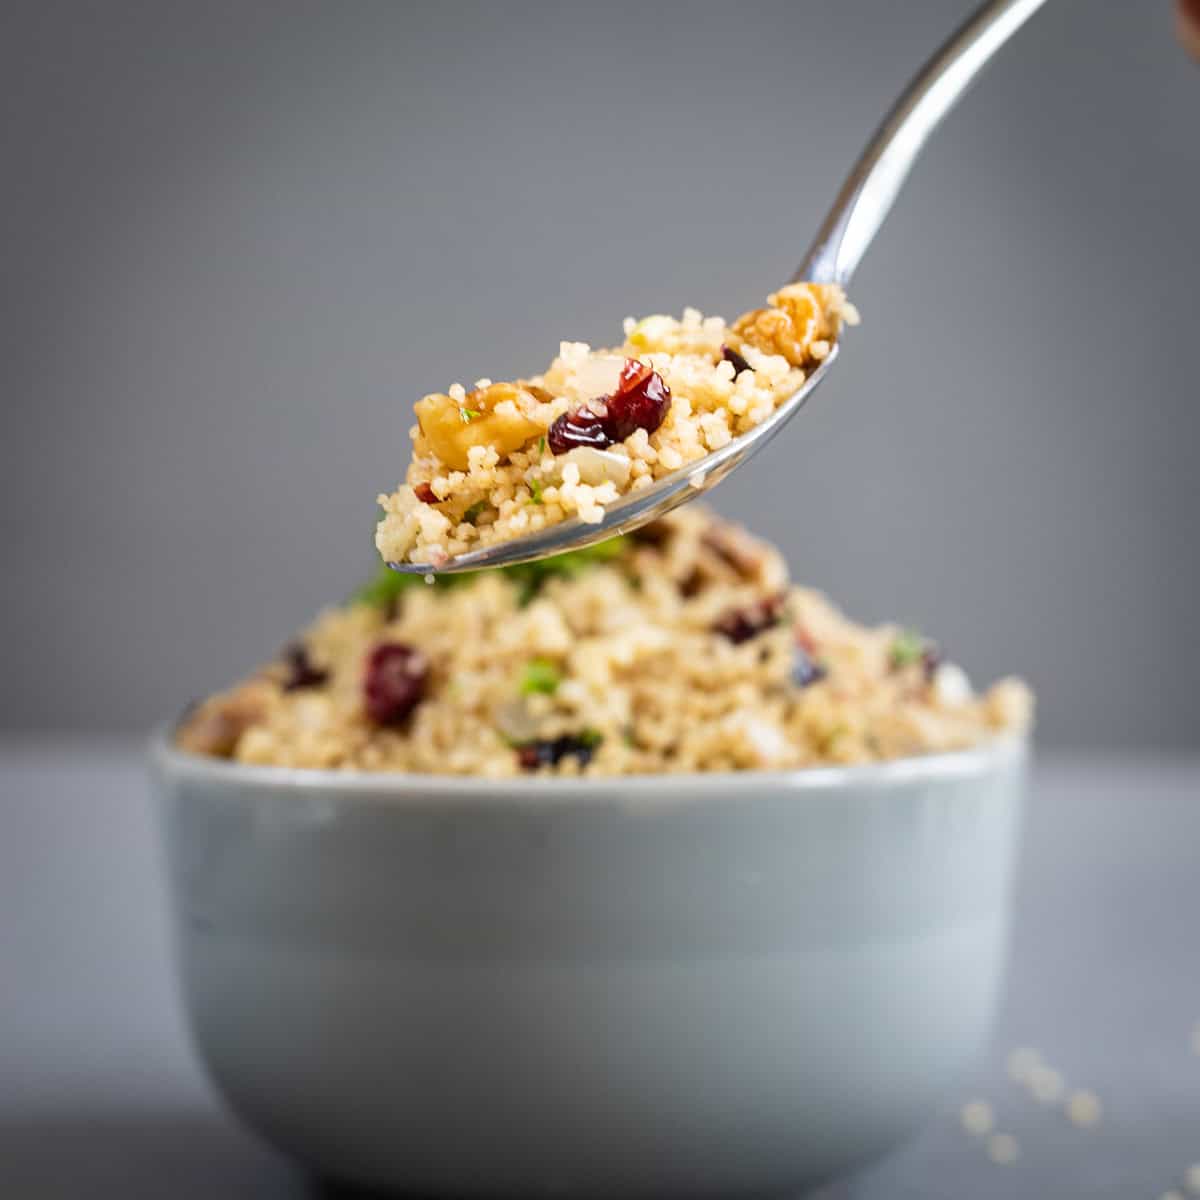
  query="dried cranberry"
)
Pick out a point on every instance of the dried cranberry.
point(806, 672)
point(301, 672)
point(741, 624)
point(641, 401)
point(580, 427)
point(730, 355)
point(425, 493)
point(394, 683)
point(551, 751)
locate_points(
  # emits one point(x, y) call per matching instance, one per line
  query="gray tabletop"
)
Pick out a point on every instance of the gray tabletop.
point(100, 1096)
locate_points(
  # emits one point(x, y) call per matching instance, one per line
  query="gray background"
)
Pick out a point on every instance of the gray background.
point(242, 237)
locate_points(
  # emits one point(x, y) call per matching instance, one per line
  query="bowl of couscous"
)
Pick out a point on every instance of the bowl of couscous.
point(644, 873)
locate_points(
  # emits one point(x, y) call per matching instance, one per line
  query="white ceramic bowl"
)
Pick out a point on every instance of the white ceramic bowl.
point(693, 986)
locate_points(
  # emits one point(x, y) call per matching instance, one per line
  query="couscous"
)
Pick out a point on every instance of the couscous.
point(682, 647)
point(507, 459)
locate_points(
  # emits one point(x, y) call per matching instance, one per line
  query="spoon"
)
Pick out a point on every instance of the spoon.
point(849, 228)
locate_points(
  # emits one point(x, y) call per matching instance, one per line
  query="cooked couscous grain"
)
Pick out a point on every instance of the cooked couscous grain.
point(1021, 1064)
point(507, 459)
point(1083, 1108)
point(978, 1118)
point(680, 648)
point(1045, 1084)
point(1002, 1148)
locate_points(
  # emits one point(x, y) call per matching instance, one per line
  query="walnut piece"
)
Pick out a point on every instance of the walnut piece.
point(802, 321)
point(215, 727)
point(489, 416)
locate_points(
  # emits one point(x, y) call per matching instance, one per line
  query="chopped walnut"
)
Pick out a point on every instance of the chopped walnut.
point(215, 726)
point(801, 323)
point(736, 548)
point(656, 533)
point(488, 416)
point(734, 553)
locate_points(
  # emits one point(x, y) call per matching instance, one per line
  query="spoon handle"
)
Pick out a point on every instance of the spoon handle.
point(871, 188)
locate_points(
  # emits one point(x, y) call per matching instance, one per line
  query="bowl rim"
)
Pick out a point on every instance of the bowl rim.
point(399, 786)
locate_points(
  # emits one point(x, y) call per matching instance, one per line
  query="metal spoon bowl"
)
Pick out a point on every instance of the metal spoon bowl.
point(861, 207)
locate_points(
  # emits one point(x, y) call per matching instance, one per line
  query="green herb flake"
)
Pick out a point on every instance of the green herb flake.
point(535, 487)
point(386, 586)
point(529, 577)
point(907, 648)
point(541, 445)
point(382, 590)
point(528, 587)
point(540, 677)
point(473, 512)
point(591, 738)
point(467, 415)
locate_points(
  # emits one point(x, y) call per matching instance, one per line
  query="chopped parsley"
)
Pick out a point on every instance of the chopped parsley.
point(535, 486)
point(467, 415)
point(541, 445)
point(474, 510)
point(529, 577)
point(907, 648)
point(385, 588)
point(540, 677)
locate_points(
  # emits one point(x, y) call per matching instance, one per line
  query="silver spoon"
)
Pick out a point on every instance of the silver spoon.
point(862, 205)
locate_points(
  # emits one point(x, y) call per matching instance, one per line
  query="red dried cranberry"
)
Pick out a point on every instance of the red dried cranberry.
point(301, 672)
point(551, 751)
point(580, 427)
point(425, 493)
point(741, 624)
point(641, 401)
point(730, 355)
point(634, 372)
point(394, 683)
point(806, 672)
